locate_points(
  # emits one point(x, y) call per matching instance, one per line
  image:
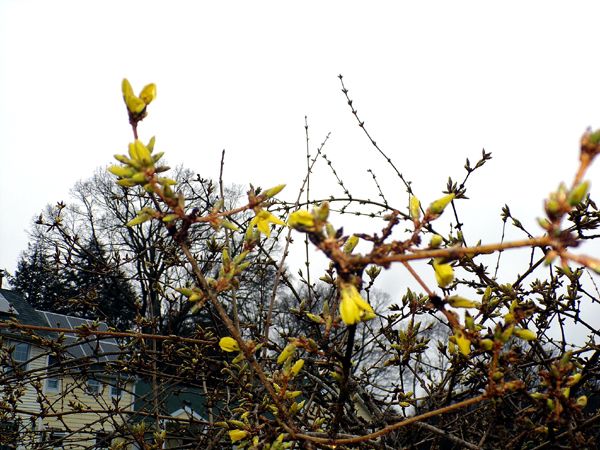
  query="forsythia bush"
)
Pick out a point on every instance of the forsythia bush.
point(465, 362)
point(492, 337)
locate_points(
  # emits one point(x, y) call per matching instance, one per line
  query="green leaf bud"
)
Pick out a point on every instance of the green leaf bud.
point(578, 193)
point(139, 177)
point(186, 292)
point(230, 226)
point(167, 182)
point(486, 344)
point(151, 143)
point(126, 182)
point(525, 334)
point(322, 212)
point(457, 301)
point(120, 171)
point(315, 318)
point(581, 401)
point(141, 218)
point(351, 244)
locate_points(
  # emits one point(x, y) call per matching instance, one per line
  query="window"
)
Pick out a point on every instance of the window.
point(115, 392)
point(21, 352)
point(55, 439)
point(93, 386)
point(19, 356)
point(103, 440)
point(52, 380)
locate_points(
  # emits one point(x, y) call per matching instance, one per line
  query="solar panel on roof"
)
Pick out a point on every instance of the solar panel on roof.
point(77, 347)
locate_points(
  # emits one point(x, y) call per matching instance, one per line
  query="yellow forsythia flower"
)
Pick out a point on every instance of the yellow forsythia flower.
point(464, 344)
point(301, 220)
point(353, 308)
point(237, 435)
point(228, 344)
point(444, 273)
point(263, 220)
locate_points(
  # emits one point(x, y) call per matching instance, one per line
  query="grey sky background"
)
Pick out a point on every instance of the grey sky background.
point(436, 82)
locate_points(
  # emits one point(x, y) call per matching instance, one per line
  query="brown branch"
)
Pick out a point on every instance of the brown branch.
point(395, 426)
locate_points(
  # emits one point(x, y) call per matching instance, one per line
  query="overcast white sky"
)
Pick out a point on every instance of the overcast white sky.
point(435, 81)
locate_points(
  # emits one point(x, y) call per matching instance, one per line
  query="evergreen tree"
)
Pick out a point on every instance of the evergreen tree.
point(44, 284)
point(102, 291)
point(90, 288)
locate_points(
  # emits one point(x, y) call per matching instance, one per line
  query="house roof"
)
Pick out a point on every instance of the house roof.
point(25, 314)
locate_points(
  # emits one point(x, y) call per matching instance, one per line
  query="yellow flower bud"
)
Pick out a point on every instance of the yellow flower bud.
point(287, 353)
point(415, 208)
point(228, 344)
point(297, 367)
point(237, 435)
point(272, 192)
point(438, 206)
point(143, 154)
point(351, 244)
point(581, 401)
point(134, 104)
point(436, 241)
point(573, 379)
point(126, 88)
point(148, 93)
